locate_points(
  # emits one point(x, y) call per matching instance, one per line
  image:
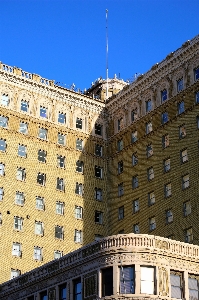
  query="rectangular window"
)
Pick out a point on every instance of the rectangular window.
point(119, 123)
point(182, 131)
point(134, 159)
point(98, 129)
point(41, 155)
point(163, 95)
point(2, 145)
point(79, 123)
point(120, 167)
point(152, 224)
point(40, 203)
point(176, 285)
point(134, 136)
point(107, 281)
point(149, 151)
point(98, 217)
point(181, 107)
point(149, 127)
point(169, 216)
point(5, 100)
point(196, 73)
point(98, 172)
point(24, 105)
point(2, 169)
point(59, 232)
point(193, 285)
point(39, 228)
point(41, 178)
point(61, 139)
point(165, 117)
point(18, 223)
point(148, 105)
point(19, 198)
point(15, 273)
point(43, 296)
point(134, 115)
point(151, 198)
point(42, 134)
point(187, 208)
point(79, 144)
point(3, 122)
point(150, 173)
point(43, 112)
point(120, 189)
point(98, 194)
point(79, 166)
point(79, 189)
point(22, 151)
point(185, 181)
point(197, 97)
point(58, 254)
point(135, 183)
point(127, 280)
point(165, 141)
point(21, 174)
point(136, 206)
point(167, 164)
point(78, 212)
point(59, 208)
point(189, 235)
point(180, 85)
point(60, 184)
point(23, 127)
point(121, 213)
point(120, 145)
point(147, 280)
point(77, 288)
point(61, 118)
point(136, 228)
point(184, 155)
point(98, 150)
point(1, 193)
point(78, 236)
point(61, 161)
point(167, 190)
point(37, 253)
point(16, 249)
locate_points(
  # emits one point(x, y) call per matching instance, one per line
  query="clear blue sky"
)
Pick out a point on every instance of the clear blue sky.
point(65, 40)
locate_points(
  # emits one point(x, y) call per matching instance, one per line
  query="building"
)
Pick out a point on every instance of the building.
point(118, 267)
point(75, 168)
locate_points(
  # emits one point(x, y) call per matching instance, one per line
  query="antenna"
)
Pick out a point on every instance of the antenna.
point(106, 54)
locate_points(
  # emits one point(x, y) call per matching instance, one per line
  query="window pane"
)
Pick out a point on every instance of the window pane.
point(3, 122)
point(24, 105)
point(62, 118)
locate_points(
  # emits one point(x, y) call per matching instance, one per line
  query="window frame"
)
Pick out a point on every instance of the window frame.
point(39, 206)
point(59, 208)
point(19, 198)
point(78, 212)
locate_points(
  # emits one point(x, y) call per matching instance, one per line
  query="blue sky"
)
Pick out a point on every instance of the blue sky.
point(65, 40)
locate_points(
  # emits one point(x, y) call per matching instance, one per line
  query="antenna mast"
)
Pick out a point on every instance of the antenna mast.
point(106, 54)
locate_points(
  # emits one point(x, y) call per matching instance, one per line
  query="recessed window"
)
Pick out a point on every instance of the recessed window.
point(136, 206)
point(167, 164)
point(98, 129)
point(193, 285)
point(79, 166)
point(37, 253)
point(98, 217)
point(98, 150)
point(77, 289)
point(136, 228)
point(2, 145)
point(134, 115)
point(79, 123)
point(120, 189)
point(61, 161)
point(22, 151)
point(39, 203)
point(121, 213)
point(19, 198)
point(15, 273)
point(60, 184)
point(98, 194)
point(182, 131)
point(120, 167)
point(165, 117)
point(184, 155)
point(163, 95)
point(147, 280)
point(41, 178)
point(189, 235)
point(24, 105)
point(98, 172)
point(59, 232)
point(1, 193)
point(134, 136)
point(196, 73)
point(134, 159)
point(149, 150)
point(78, 212)
point(79, 189)
point(42, 134)
point(58, 254)
point(18, 222)
point(119, 124)
point(135, 183)
point(187, 208)
point(180, 85)
point(150, 173)
point(59, 208)
point(152, 224)
point(79, 144)
point(5, 100)
point(151, 198)
point(23, 127)
point(39, 228)
point(3, 122)
point(120, 145)
point(61, 139)
point(61, 118)
point(169, 216)
point(149, 127)
point(185, 181)
point(21, 174)
point(78, 236)
point(148, 105)
point(181, 107)
point(127, 280)
point(43, 112)
point(165, 141)
point(2, 169)
point(41, 155)
point(197, 97)
point(16, 249)
point(167, 190)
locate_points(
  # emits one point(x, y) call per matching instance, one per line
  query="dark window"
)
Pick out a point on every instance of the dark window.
point(62, 292)
point(197, 97)
point(120, 145)
point(79, 144)
point(60, 184)
point(59, 232)
point(61, 118)
point(164, 95)
point(43, 112)
point(77, 285)
point(121, 213)
point(165, 141)
point(107, 282)
point(98, 194)
point(98, 172)
point(196, 73)
point(134, 115)
point(98, 129)
point(120, 167)
point(60, 161)
point(41, 177)
point(24, 105)
point(79, 166)
point(165, 117)
point(127, 280)
point(180, 85)
point(79, 123)
point(98, 217)
point(98, 150)
point(135, 182)
point(148, 105)
point(42, 155)
point(120, 189)
point(180, 107)
point(43, 296)
point(134, 159)
point(79, 189)
point(31, 298)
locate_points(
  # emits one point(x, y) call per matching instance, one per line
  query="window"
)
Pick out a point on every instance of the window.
point(61, 139)
point(149, 127)
point(23, 127)
point(42, 133)
point(21, 174)
point(152, 224)
point(39, 203)
point(1, 193)
point(79, 144)
point(169, 216)
point(60, 184)
point(127, 280)
point(167, 164)
point(39, 228)
point(120, 189)
point(185, 181)
point(136, 228)
point(60, 161)
point(193, 285)
point(41, 155)
point(98, 217)
point(43, 112)
point(136, 206)
point(147, 284)
point(134, 115)
point(149, 150)
point(3, 122)
point(167, 190)
point(182, 131)
point(77, 286)
point(98, 194)
point(15, 273)
point(176, 285)
point(119, 124)
point(135, 182)
point(197, 122)
point(188, 235)
point(98, 150)
point(57, 255)
point(180, 107)
point(148, 105)
point(37, 253)
point(98, 172)
point(121, 213)
point(18, 223)
point(41, 178)
point(165, 141)
point(16, 249)
point(78, 236)
point(2, 145)
point(120, 145)
point(180, 85)
point(134, 159)
point(151, 198)
point(120, 167)
point(43, 295)
point(98, 129)
point(165, 117)
point(61, 118)
point(197, 97)
point(79, 189)
point(19, 198)
point(22, 150)
point(187, 208)
point(164, 95)
point(196, 73)
point(2, 169)
point(78, 212)
point(24, 105)
point(184, 155)
point(79, 123)
point(79, 166)
point(5, 100)
point(150, 173)
point(59, 208)
point(107, 281)
point(59, 232)
point(134, 136)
